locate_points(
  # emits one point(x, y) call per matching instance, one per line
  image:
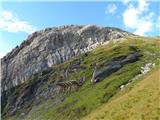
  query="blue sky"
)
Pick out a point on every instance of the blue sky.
point(18, 19)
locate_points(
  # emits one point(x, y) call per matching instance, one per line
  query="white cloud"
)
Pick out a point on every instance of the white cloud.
point(143, 28)
point(126, 1)
point(111, 9)
point(139, 18)
point(130, 17)
point(11, 23)
point(143, 5)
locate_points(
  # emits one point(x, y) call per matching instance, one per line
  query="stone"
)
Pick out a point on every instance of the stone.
point(121, 87)
point(113, 66)
point(147, 68)
point(22, 114)
point(131, 58)
point(42, 49)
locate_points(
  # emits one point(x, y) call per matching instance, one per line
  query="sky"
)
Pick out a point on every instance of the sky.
point(20, 18)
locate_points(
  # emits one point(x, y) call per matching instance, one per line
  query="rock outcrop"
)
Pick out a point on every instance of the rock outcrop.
point(50, 46)
point(113, 66)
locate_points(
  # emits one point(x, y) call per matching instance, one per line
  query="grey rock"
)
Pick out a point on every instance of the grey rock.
point(50, 46)
point(113, 66)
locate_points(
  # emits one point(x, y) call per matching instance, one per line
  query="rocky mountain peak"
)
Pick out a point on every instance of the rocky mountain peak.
point(50, 46)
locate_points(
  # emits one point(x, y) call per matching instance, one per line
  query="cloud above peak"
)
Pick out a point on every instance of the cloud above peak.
point(111, 9)
point(139, 18)
point(11, 23)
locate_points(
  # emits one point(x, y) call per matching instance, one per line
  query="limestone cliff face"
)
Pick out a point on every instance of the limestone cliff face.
point(50, 46)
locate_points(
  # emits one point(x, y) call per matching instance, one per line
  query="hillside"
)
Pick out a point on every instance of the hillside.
point(140, 102)
point(77, 87)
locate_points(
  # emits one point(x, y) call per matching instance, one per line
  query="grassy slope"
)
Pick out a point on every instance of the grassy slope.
point(140, 103)
point(90, 97)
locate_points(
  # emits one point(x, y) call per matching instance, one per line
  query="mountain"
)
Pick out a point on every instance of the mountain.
point(91, 67)
point(50, 46)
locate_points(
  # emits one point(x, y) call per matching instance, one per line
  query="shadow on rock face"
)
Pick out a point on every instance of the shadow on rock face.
point(113, 66)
